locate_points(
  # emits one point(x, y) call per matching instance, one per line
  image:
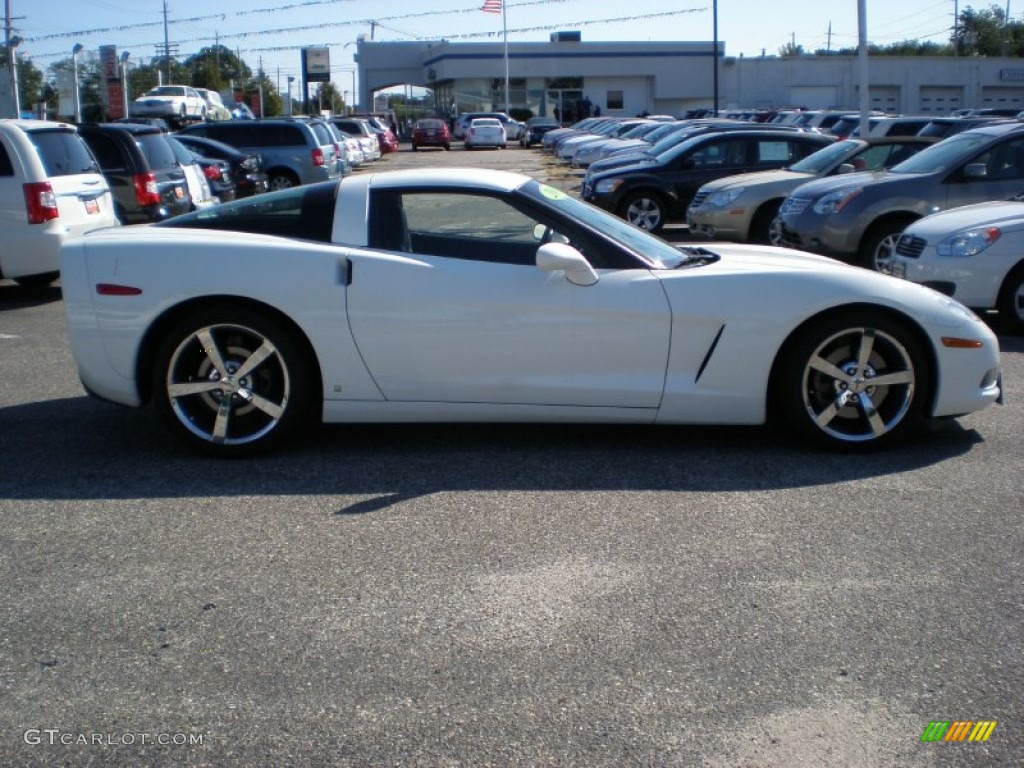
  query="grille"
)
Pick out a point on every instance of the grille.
point(910, 246)
point(699, 198)
point(794, 205)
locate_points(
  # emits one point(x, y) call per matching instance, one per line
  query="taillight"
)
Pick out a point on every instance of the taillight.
point(146, 192)
point(212, 172)
point(318, 156)
point(40, 202)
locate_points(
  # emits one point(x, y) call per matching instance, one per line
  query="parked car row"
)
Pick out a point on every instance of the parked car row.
point(942, 213)
point(59, 179)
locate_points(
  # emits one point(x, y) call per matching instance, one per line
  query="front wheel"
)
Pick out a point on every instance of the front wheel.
point(879, 244)
point(854, 381)
point(766, 227)
point(233, 382)
point(1011, 301)
point(645, 210)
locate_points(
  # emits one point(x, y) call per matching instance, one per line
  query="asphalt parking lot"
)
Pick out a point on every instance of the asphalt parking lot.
point(498, 596)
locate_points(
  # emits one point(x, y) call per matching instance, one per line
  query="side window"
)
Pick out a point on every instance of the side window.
point(1004, 161)
point(6, 169)
point(458, 226)
point(107, 152)
point(774, 153)
point(287, 136)
point(873, 158)
point(723, 153)
point(305, 212)
point(798, 150)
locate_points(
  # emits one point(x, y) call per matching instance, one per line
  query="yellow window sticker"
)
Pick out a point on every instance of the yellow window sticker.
point(551, 193)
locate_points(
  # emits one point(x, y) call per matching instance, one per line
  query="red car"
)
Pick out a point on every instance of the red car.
point(431, 132)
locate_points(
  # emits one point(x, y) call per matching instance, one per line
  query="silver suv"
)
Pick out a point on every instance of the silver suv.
point(51, 188)
point(294, 150)
point(859, 217)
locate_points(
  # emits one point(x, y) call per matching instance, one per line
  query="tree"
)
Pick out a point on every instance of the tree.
point(30, 79)
point(790, 50)
point(217, 68)
point(988, 33)
point(330, 98)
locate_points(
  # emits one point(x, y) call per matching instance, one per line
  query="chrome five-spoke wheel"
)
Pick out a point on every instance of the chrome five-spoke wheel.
point(855, 383)
point(231, 382)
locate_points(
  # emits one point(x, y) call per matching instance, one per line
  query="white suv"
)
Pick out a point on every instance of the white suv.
point(51, 188)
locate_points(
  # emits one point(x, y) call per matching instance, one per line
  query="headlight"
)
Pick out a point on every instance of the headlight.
point(725, 197)
point(969, 243)
point(605, 186)
point(834, 202)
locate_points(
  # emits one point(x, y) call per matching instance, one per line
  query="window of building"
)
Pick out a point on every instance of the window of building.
point(614, 100)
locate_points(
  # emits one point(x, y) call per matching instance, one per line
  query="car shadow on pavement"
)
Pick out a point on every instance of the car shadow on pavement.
point(109, 452)
point(14, 296)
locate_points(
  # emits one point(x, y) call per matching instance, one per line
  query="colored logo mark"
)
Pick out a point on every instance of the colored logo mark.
point(958, 730)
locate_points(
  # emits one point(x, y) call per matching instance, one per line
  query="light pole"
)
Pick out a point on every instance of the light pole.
point(290, 81)
point(124, 81)
point(12, 63)
point(76, 93)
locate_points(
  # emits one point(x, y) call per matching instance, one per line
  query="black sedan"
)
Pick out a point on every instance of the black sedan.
point(245, 169)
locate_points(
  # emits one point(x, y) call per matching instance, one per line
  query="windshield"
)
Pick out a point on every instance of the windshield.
point(167, 90)
point(944, 155)
point(824, 159)
point(660, 254)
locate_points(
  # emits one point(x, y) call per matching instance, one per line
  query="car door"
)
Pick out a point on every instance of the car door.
point(995, 174)
point(457, 311)
point(717, 157)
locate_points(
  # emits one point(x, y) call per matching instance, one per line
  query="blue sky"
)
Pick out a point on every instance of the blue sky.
point(268, 28)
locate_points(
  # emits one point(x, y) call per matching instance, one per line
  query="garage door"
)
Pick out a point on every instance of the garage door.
point(941, 100)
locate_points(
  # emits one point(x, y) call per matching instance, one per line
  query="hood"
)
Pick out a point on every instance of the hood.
point(739, 257)
point(819, 187)
point(758, 177)
point(1005, 214)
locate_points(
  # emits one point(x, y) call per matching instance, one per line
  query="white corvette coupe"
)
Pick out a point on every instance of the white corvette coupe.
point(468, 295)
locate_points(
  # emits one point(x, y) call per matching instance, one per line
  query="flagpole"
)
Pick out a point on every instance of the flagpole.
point(504, 25)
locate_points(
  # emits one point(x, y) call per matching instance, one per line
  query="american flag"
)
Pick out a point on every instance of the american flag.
point(491, 6)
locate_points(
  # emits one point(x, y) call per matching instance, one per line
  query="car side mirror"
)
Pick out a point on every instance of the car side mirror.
point(845, 168)
point(975, 171)
point(552, 257)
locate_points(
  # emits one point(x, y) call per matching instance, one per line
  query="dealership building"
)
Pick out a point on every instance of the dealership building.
point(627, 78)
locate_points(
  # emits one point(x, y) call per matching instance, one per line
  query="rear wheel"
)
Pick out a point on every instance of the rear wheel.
point(232, 381)
point(1011, 300)
point(854, 380)
point(644, 209)
point(283, 180)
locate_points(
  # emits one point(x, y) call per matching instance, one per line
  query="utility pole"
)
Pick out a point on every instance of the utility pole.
point(167, 45)
point(12, 41)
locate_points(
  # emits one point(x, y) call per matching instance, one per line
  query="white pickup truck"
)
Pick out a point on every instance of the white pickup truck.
point(170, 101)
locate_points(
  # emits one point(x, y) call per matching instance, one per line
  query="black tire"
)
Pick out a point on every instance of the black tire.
point(197, 387)
point(415, 148)
point(447, 147)
point(761, 227)
point(827, 395)
point(1011, 301)
point(644, 209)
point(283, 180)
point(879, 244)
point(37, 281)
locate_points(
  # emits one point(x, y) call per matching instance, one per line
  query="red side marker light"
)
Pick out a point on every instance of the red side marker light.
point(112, 289)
